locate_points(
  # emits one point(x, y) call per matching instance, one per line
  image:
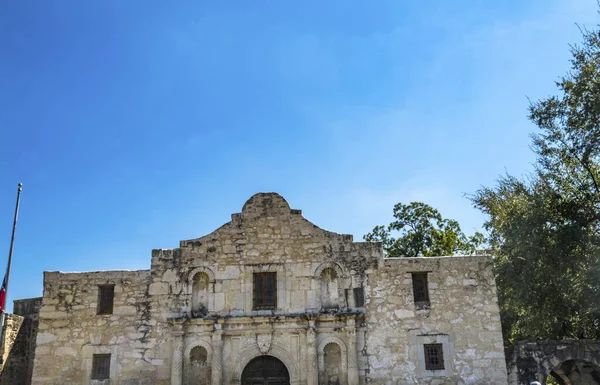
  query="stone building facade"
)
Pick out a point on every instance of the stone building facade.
point(269, 298)
point(18, 362)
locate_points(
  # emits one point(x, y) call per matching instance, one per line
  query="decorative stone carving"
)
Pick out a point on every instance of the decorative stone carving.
point(280, 352)
point(264, 341)
point(352, 353)
point(217, 365)
point(312, 368)
point(177, 334)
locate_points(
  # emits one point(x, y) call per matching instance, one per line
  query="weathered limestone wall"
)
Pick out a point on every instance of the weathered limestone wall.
point(19, 364)
point(12, 326)
point(463, 316)
point(70, 331)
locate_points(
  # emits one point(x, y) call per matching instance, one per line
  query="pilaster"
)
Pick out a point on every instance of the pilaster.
point(352, 353)
point(311, 343)
point(177, 334)
point(217, 359)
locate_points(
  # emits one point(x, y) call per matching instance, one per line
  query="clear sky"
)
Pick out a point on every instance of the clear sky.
point(135, 124)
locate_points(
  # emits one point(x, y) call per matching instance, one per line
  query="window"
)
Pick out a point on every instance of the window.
point(420, 290)
point(106, 296)
point(265, 291)
point(359, 297)
point(101, 367)
point(434, 357)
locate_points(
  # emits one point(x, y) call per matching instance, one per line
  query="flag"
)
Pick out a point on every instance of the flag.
point(3, 295)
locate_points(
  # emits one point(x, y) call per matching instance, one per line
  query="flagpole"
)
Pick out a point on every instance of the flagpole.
point(12, 243)
point(10, 254)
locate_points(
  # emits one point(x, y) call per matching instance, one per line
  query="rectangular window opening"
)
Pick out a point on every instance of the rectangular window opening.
point(420, 290)
point(106, 296)
point(265, 291)
point(434, 357)
point(359, 297)
point(101, 367)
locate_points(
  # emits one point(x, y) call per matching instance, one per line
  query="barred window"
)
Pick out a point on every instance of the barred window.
point(420, 290)
point(101, 367)
point(359, 297)
point(106, 296)
point(265, 291)
point(434, 357)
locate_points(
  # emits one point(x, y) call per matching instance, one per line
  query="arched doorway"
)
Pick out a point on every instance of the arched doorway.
point(574, 372)
point(265, 370)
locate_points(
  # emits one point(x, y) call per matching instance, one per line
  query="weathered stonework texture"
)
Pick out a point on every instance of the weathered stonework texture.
point(18, 366)
point(344, 315)
point(12, 325)
point(571, 362)
point(463, 316)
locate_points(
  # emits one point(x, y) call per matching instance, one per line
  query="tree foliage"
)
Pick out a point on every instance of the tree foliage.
point(545, 229)
point(421, 231)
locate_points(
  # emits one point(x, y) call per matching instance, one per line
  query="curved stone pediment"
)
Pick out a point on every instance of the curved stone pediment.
point(267, 204)
point(269, 210)
point(267, 227)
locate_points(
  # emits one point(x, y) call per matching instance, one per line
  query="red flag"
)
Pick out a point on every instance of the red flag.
point(3, 295)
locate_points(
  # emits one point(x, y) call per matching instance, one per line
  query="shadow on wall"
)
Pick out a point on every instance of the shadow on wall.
point(22, 330)
point(560, 362)
point(574, 372)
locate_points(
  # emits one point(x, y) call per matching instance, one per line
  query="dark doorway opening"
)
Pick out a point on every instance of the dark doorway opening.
point(574, 372)
point(265, 370)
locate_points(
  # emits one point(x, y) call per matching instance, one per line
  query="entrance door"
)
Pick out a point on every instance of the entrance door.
point(265, 370)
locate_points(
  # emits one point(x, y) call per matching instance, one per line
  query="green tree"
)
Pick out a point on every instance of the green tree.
point(544, 230)
point(421, 231)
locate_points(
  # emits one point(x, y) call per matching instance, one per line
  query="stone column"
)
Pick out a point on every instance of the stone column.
point(311, 353)
point(352, 354)
point(217, 359)
point(177, 334)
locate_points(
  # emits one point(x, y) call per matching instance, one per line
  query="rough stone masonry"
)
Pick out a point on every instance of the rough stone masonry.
point(269, 298)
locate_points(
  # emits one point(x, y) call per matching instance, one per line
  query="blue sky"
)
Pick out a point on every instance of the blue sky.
point(135, 124)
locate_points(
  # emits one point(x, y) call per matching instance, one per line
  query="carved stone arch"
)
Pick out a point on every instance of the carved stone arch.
point(332, 340)
point(343, 364)
point(338, 269)
point(187, 363)
point(209, 293)
point(332, 282)
point(199, 342)
point(542, 358)
point(572, 354)
point(201, 269)
point(277, 351)
point(555, 367)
